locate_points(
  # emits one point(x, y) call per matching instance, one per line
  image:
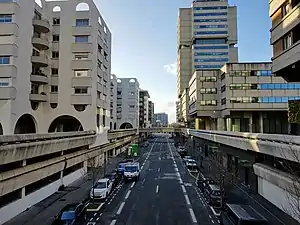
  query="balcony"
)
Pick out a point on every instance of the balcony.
point(40, 43)
point(7, 93)
point(41, 25)
point(42, 97)
point(81, 99)
point(82, 64)
point(8, 71)
point(40, 60)
point(39, 78)
point(82, 47)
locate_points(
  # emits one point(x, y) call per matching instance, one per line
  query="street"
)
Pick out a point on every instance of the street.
point(165, 194)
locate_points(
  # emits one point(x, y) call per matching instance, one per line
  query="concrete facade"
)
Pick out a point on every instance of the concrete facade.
point(178, 116)
point(127, 103)
point(243, 97)
point(207, 35)
point(285, 38)
point(151, 113)
point(144, 106)
point(161, 119)
point(113, 101)
point(54, 64)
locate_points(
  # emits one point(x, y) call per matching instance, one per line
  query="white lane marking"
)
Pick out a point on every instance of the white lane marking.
point(95, 214)
point(210, 216)
point(159, 158)
point(98, 218)
point(183, 189)
point(187, 199)
point(132, 184)
point(141, 167)
point(176, 169)
point(127, 195)
point(193, 215)
point(212, 221)
point(218, 221)
point(121, 208)
point(185, 194)
point(158, 169)
point(214, 212)
point(91, 218)
point(113, 222)
point(157, 188)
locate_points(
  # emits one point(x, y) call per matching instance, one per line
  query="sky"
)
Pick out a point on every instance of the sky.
point(144, 42)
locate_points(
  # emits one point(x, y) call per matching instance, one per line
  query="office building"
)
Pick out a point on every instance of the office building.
point(127, 103)
point(178, 112)
point(113, 101)
point(207, 35)
point(244, 97)
point(55, 67)
point(285, 38)
point(151, 113)
point(161, 119)
point(144, 109)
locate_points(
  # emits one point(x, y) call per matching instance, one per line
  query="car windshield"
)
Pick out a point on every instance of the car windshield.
point(68, 215)
point(130, 168)
point(122, 165)
point(217, 193)
point(100, 185)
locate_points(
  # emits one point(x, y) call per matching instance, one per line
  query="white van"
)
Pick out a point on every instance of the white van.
point(132, 171)
point(102, 189)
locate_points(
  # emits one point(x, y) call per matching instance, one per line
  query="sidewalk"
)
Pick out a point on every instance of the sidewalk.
point(44, 211)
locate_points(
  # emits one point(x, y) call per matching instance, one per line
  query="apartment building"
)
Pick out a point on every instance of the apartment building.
point(55, 67)
point(207, 35)
point(244, 97)
point(178, 116)
point(127, 103)
point(113, 101)
point(144, 109)
point(161, 119)
point(151, 113)
point(285, 38)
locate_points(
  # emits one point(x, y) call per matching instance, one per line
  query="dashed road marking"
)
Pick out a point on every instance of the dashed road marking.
point(132, 184)
point(95, 214)
point(128, 193)
point(187, 199)
point(157, 188)
point(113, 222)
point(121, 208)
point(183, 189)
point(158, 170)
point(193, 215)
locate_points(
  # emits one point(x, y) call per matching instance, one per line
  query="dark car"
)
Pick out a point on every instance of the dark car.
point(203, 182)
point(114, 177)
point(71, 214)
point(121, 168)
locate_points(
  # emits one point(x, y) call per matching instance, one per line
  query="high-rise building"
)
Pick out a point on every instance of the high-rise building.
point(55, 67)
point(113, 101)
point(151, 113)
point(178, 116)
point(144, 109)
point(161, 119)
point(127, 103)
point(243, 97)
point(207, 35)
point(285, 38)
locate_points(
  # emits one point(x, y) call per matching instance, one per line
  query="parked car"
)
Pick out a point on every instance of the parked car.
point(101, 189)
point(71, 214)
point(213, 195)
point(121, 167)
point(241, 215)
point(203, 181)
point(114, 177)
point(192, 166)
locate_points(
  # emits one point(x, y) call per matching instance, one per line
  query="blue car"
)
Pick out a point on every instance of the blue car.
point(121, 168)
point(71, 214)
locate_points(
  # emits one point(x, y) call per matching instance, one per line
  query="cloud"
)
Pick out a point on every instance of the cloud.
point(171, 68)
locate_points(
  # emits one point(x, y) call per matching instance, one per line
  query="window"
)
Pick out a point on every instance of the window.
point(212, 60)
point(54, 71)
point(287, 41)
point(131, 93)
point(4, 60)
point(210, 53)
point(210, 32)
point(208, 90)
point(54, 88)
point(210, 8)
point(286, 9)
point(55, 38)
point(243, 86)
point(5, 18)
point(80, 73)
point(223, 101)
point(82, 22)
point(208, 102)
point(81, 56)
point(208, 66)
point(211, 14)
point(55, 55)
point(279, 86)
point(208, 79)
point(98, 94)
point(104, 83)
point(81, 90)
point(223, 88)
point(244, 100)
point(210, 41)
point(223, 76)
point(100, 49)
point(81, 39)
point(209, 20)
point(4, 84)
point(131, 106)
point(104, 97)
point(210, 26)
point(211, 47)
point(104, 117)
point(56, 21)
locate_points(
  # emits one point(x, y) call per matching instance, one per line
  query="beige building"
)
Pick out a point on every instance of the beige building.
point(285, 38)
point(243, 97)
point(207, 35)
point(54, 67)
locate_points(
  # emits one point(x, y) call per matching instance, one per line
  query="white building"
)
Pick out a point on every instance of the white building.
point(55, 67)
point(113, 101)
point(144, 108)
point(127, 112)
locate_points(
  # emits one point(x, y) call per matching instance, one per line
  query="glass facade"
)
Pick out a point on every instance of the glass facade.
point(211, 14)
point(278, 99)
point(210, 32)
point(211, 47)
point(208, 66)
point(210, 8)
point(251, 73)
point(209, 20)
point(212, 60)
point(210, 53)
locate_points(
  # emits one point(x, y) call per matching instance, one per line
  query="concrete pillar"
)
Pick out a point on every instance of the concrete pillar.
point(261, 122)
point(250, 122)
point(220, 124)
point(228, 124)
point(23, 189)
point(197, 124)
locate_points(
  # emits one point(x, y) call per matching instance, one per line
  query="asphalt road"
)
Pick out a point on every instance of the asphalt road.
point(165, 194)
